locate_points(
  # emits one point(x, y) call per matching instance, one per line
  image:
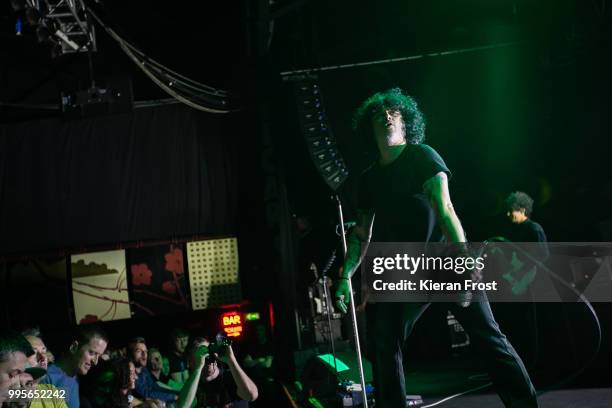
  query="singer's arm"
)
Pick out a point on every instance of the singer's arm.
point(436, 188)
point(361, 234)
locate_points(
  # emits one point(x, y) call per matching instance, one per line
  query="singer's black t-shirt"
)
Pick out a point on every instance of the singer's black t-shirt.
point(395, 193)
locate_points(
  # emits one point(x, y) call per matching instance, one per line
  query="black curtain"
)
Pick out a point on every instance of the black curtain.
point(159, 172)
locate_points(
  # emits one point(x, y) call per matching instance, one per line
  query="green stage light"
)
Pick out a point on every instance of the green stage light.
point(329, 360)
point(315, 403)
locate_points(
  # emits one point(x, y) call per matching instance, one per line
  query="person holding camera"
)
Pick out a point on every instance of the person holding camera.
point(215, 378)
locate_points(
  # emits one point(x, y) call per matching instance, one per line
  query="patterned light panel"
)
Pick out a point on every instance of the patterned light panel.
point(213, 272)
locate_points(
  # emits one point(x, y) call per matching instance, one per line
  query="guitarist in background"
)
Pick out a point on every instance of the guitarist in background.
point(402, 198)
point(521, 273)
point(522, 229)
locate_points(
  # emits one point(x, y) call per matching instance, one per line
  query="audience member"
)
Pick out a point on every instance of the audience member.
point(216, 379)
point(146, 386)
point(39, 358)
point(156, 366)
point(28, 381)
point(179, 373)
point(38, 363)
point(85, 349)
point(26, 384)
point(14, 353)
point(110, 385)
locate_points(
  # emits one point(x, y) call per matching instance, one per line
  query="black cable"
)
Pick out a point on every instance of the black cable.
point(168, 80)
point(566, 284)
point(581, 297)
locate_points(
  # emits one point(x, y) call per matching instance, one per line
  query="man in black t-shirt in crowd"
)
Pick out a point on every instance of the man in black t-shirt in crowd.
point(407, 191)
point(179, 373)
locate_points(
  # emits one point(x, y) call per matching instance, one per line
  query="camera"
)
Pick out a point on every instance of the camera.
point(219, 343)
point(216, 346)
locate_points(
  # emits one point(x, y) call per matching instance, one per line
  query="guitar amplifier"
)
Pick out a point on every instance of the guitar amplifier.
point(321, 330)
point(354, 398)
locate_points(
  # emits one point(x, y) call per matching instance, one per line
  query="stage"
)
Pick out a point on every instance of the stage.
point(580, 398)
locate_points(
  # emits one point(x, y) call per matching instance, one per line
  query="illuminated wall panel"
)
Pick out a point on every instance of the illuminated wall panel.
point(99, 286)
point(157, 280)
point(213, 272)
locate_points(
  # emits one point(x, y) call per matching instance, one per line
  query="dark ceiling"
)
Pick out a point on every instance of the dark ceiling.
point(217, 42)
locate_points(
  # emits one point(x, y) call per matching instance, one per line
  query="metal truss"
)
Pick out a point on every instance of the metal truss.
point(68, 22)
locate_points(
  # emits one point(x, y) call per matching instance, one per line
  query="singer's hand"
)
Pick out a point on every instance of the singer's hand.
point(342, 297)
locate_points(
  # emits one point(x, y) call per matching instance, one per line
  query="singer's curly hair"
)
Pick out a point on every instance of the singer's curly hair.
point(518, 200)
point(393, 98)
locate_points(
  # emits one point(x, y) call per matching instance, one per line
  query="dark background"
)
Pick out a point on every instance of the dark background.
point(531, 116)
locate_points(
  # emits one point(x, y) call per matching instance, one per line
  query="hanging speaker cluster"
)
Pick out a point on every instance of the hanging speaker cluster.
point(317, 133)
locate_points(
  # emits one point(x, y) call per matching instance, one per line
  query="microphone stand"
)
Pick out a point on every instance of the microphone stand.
point(352, 308)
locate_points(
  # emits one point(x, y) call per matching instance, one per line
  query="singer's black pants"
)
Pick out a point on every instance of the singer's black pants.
point(389, 324)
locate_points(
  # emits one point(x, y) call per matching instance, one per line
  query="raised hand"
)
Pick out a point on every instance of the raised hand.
point(200, 356)
point(226, 354)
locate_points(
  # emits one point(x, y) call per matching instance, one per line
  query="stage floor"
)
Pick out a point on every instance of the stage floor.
point(580, 398)
point(440, 379)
